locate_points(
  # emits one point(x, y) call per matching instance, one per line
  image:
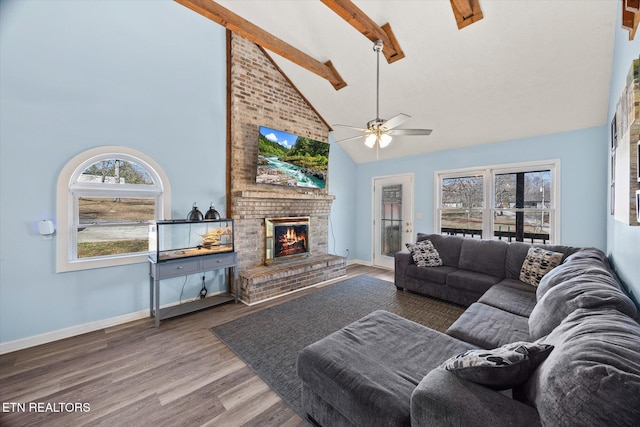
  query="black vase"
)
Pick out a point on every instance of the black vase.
point(195, 215)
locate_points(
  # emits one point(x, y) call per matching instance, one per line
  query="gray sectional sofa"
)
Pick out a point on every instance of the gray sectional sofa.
point(470, 267)
point(384, 370)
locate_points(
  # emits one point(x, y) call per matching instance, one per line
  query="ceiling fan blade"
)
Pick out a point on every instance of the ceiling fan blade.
point(394, 121)
point(409, 132)
point(351, 127)
point(350, 139)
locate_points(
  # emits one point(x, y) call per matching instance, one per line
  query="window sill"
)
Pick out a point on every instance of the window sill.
point(63, 266)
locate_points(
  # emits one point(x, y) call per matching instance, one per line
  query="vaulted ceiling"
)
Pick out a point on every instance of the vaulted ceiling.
point(511, 69)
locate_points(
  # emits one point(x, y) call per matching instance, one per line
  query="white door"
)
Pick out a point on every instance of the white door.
point(392, 217)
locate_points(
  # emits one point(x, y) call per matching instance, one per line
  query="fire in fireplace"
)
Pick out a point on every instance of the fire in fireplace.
point(286, 238)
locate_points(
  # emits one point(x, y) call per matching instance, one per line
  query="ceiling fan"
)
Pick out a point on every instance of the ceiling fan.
point(378, 132)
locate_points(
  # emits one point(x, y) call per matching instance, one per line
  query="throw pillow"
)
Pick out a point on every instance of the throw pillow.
point(501, 368)
point(537, 263)
point(424, 254)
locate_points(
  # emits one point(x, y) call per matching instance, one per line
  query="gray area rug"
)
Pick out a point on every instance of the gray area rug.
point(269, 340)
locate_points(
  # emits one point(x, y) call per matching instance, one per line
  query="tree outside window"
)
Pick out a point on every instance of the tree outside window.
point(462, 205)
point(520, 205)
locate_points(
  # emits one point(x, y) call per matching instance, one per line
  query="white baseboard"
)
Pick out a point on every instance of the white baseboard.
point(47, 337)
point(359, 261)
point(72, 331)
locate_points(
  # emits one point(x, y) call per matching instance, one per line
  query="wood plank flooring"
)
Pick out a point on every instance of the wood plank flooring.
point(137, 375)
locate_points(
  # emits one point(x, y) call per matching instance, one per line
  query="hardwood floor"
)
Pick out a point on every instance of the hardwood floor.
point(137, 375)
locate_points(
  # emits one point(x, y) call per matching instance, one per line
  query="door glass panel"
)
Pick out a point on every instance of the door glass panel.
point(391, 219)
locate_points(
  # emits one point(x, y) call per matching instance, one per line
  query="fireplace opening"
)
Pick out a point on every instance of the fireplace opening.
point(286, 238)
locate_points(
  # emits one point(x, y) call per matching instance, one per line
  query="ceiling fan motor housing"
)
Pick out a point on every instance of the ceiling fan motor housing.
point(375, 124)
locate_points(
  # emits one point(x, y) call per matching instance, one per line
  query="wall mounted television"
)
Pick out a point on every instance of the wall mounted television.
point(291, 160)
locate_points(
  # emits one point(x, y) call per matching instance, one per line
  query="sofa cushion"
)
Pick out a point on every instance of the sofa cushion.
point(517, 252)
point(431, 274)
point(500, 368)
point(444, 399)
point(471, 281)
point(510, 298)
point(579, 292)
point(588, 253)
point(368, 369)
point(586, 268)
point(489, 327)
point(483, 256)
point(537, 263)
point(592, 377)
point(447, 246)
point(424, 254)
point(517, 284)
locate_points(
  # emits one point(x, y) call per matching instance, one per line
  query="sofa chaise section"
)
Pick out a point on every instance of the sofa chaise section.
point(364, 374)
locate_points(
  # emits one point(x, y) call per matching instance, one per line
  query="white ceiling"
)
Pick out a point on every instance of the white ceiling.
point(528, 68)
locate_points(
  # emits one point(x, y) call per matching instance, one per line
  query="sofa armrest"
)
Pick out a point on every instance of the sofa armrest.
point(443, 399)
point(402, 261)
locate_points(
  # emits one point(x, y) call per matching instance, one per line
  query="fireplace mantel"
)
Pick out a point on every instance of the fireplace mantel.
point(282, 195)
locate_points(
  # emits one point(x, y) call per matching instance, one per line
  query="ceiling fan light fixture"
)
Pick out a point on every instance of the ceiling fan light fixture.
point(370, 140)
point(378, 132)
point(385, 140)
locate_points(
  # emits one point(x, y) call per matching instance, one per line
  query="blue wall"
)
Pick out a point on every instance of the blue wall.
point(342, 184)
point(583, 188)
point(623, 241)
point(152, 76)
point(76, 75)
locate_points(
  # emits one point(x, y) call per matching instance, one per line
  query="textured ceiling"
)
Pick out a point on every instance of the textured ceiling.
point(528, 68)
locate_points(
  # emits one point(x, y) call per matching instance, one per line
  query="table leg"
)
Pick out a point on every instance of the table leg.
point(157, 301)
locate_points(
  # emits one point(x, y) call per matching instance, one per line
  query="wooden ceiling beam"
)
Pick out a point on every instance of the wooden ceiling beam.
point(466, 12)
point(235, 23)
point(632, 5)
point(630, 16)
point(368, 27)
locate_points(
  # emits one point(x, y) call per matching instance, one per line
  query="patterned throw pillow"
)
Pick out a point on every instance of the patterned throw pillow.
point(537, 263)
point(501, 368)
point(424, 254)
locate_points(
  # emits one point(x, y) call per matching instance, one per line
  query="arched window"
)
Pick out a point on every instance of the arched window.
point(106, 198)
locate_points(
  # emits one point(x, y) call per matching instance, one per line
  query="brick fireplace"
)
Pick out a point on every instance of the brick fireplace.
point(260, 95)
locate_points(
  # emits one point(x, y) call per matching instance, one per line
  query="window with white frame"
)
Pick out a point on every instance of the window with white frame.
point(508, 202)
point(106, 198)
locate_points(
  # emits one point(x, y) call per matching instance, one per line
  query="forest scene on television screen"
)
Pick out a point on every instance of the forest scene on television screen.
point(302, 164)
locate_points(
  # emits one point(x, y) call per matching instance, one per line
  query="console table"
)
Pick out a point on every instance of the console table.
point(185, 266)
